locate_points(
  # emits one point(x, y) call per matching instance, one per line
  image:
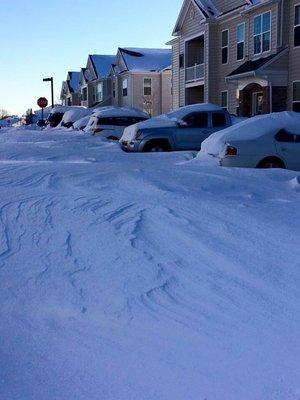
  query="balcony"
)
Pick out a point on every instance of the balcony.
point(195, 73)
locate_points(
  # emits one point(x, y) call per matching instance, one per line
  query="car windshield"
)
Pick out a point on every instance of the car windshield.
point(119, 121)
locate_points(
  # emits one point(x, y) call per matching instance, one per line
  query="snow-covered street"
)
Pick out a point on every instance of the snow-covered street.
point(144, 276)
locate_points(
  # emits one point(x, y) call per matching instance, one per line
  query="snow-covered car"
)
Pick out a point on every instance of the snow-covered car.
point(73, 115)
point(110, 122)
point(265, 141)
point(81, 123)
point(57, 114)
point(182, 129)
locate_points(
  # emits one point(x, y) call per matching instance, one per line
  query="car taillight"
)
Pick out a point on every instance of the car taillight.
point(231, 151)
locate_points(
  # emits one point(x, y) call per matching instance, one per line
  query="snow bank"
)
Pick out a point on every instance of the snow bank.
point(140, 277)
point(251, 129)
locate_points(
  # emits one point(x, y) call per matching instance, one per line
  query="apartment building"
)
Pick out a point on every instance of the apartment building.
point(142, 78)
point(243, 55)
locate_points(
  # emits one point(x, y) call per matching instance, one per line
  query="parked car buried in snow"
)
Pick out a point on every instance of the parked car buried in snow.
point(57, 114)
point(73, 115)
point(182, 129)
point(110, 122)
point(266, 141)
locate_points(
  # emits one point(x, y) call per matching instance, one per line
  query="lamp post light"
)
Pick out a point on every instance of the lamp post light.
point(52, 89)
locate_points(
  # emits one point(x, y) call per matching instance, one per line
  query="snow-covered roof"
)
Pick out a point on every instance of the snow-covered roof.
point(73, 81)
point(63, 109)
point(137, 59)
point(183, 111)
point(102, 64)
point(75, 114)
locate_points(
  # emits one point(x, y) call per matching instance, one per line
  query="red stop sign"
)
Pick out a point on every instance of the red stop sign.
point(42, 102)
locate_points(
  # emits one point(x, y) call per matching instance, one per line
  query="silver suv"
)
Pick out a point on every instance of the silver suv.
point(183, 129)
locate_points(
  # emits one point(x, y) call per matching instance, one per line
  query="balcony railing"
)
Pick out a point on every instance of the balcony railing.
point(195, 73)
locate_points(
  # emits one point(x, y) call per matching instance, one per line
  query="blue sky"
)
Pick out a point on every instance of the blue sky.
point(42, 37)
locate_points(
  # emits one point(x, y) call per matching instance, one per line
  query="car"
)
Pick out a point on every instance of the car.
point(110, 122)
point(57, 114)
point(81, 123)
point(182, 129)
point(73, 115)
point(265, 141)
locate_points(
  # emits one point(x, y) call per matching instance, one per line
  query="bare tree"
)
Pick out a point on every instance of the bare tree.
point(3, 113)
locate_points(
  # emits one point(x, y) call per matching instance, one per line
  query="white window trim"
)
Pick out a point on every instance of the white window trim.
point(224, 91)
point(224, 47)
point(294, 101)
point(244, 42)
point(295, 26)
point(262, 33)
point(148, 78)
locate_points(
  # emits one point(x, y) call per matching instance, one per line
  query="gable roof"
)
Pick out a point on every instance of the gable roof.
point(151, 60)
point(254, 65)
point(212, 9)
point(102, 64)
point(73, 81)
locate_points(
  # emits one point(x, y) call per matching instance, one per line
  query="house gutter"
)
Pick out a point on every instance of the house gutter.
point(257, 6)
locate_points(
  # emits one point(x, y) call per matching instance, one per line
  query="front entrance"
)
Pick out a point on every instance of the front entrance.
point(257, 103)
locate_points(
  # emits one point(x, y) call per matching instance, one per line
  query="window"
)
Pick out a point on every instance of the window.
point(296, 96)
point(181, 61)
point(197, 120)
point(240, 42)
point(98, 93)
point(286, 137)
point(297, 26)
point(262, 33)
point(84, 94)
point(218, 120)
point(119, 121)
point(225, 43)
point(147, 86)
point(114, 89)
point(224, 100)
point(125, 87)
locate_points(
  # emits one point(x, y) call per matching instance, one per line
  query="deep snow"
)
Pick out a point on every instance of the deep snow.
point(144, 276)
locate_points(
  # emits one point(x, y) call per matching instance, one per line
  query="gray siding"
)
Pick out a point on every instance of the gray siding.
point(294, 57)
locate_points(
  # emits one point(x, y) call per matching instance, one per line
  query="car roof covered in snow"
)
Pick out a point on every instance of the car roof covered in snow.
point(63, 109)
point(183, 111)
point(75, 113)
point(138, 59)
point(120, 112)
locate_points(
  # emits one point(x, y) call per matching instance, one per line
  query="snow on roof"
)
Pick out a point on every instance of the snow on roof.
point(137, 59)
point(102, 64)
point(74, 81)
point(75, 114)
point(252, 129)
point(63, 109)
point(208, 8)
point(120, 112)
point(181, 112)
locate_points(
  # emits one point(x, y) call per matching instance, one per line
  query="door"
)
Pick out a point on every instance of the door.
point(257, 103)
point(288, 148)
point(191, 135)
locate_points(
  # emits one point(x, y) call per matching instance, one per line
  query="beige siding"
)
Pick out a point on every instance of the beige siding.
point(294, 58)
point(166, 89)
point(175, 75)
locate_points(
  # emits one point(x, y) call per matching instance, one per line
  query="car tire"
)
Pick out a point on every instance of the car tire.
point(271, 162)
point(157, 147)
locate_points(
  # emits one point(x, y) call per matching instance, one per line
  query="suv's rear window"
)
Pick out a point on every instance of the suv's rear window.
point(120, 121)
point(218, 120)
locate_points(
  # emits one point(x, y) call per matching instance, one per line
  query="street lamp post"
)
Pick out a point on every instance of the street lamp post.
point(52, 89)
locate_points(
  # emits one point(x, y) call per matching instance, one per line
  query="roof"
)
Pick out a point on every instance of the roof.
point(119, 112)
point(137, 59)
point(254, 65)
point(102, 64)
point(73, 81)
